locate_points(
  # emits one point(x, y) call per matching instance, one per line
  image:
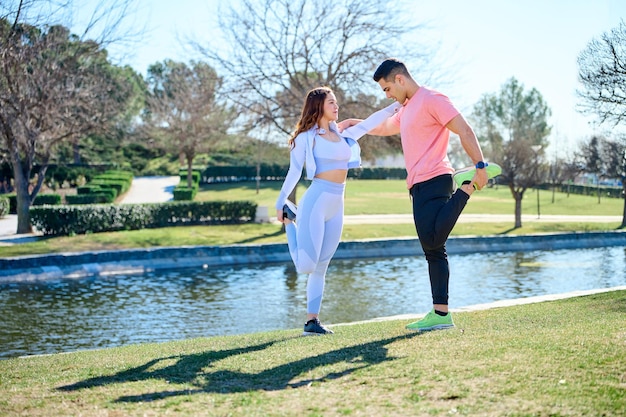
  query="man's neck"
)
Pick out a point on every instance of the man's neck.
point(412, 88)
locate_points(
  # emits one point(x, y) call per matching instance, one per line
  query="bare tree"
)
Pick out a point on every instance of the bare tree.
point(54, 88)
point(513, 128)
point(602, 73)
point(183, 110)
point(108, 23)
point(276, 50)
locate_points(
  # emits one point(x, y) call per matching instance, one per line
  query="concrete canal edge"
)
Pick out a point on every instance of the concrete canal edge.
point(104, 263)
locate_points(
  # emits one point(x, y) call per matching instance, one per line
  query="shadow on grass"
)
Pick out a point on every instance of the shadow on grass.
point(265, 235)
point(506, 232)
point(197, 370)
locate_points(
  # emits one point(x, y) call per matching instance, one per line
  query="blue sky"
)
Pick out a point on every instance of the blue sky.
point(484, 42)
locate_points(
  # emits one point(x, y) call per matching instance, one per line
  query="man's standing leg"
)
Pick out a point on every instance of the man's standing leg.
point(435, 212)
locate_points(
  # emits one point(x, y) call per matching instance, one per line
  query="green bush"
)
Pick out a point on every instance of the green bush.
point(277, 173)
point(12, 203)
point(116, 175)
point(184, 193)
point(40, 200)
point(71, 174)
point(50, 199)
point(232, 173)
point(111, 183)
point(592, 190)
point(205, 212)
point(88, 189)
point(195, 176)
point(80, 219)
point(97, 198)
point(378, 173)
point(118, 186)
point(4, 206)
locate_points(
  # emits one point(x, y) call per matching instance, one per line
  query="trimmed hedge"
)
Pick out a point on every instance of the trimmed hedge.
point(81, 219)
point(592, 190)
point(103, 188)
point(378, 173)
point(182, 192)
point(103, 197)
point(234, 173)
point(47, 199)
point(277, 173)
point(4, 206)
point(40, 200)
point(196, 174)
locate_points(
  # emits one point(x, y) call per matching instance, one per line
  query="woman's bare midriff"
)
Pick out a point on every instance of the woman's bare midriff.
point(334, 175)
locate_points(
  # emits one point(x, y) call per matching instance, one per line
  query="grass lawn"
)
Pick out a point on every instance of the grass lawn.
point(391, 197)
point(558, 358)
point(362, 197)
point(544, 359)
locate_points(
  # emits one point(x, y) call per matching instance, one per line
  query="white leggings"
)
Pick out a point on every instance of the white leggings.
point(314, 238)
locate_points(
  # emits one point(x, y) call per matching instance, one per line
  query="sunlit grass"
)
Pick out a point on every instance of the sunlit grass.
point(544, 359)
point(392, 197)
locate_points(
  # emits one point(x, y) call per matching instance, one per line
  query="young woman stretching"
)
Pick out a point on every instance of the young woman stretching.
point(327, 155)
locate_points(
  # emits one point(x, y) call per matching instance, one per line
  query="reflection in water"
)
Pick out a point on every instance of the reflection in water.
point(98, 312)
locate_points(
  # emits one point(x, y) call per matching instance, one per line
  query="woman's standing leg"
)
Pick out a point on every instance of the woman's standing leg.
point(318, 234)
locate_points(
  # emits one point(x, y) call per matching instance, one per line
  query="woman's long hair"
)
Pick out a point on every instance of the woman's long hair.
point(312, 111)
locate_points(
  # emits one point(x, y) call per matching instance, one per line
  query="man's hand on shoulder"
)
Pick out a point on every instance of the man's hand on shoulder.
point(344, 124)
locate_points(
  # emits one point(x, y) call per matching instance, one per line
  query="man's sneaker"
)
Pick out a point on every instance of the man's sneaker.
point(432, 321)
point(313, 327)
point(466, 174)
point(290, 210)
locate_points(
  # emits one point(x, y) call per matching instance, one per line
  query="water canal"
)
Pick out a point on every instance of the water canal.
point(61, 315)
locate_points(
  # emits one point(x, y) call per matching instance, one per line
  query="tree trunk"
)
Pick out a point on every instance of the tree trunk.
point(189, 168)
point(76, 152)
point(22, 195)
point(518, 206)
point(258, 177)
point(23, 200)
point(518, 210)
point(624, 214)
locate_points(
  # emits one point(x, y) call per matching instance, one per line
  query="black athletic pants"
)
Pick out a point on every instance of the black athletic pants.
point(435, 212)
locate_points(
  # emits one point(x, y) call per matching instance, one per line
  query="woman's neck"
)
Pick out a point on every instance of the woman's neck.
point(323, 124)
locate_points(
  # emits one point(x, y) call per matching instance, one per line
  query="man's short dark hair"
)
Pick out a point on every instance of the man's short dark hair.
point(389, 68)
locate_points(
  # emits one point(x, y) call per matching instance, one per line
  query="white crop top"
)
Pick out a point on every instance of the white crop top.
point(330, 155)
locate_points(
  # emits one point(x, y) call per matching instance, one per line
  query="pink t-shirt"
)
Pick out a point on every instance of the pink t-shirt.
point(424, 134)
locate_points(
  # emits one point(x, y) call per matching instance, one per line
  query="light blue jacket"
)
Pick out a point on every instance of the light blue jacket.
point(301, 154)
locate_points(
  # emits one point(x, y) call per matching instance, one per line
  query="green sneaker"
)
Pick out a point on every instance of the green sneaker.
point(432, 321)
point(466, 174)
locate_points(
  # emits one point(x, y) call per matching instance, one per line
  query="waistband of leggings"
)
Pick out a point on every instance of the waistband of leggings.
point(329, 185)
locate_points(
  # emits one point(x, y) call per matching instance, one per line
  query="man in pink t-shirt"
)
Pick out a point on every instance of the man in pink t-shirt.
point(424, 124)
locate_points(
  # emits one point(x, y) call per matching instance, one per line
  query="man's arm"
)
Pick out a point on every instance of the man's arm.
point(470, 143)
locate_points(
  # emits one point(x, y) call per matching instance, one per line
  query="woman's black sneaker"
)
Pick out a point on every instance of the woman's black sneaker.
point(313, 327)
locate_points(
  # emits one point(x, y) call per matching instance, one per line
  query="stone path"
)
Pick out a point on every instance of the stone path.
point(151, 190)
